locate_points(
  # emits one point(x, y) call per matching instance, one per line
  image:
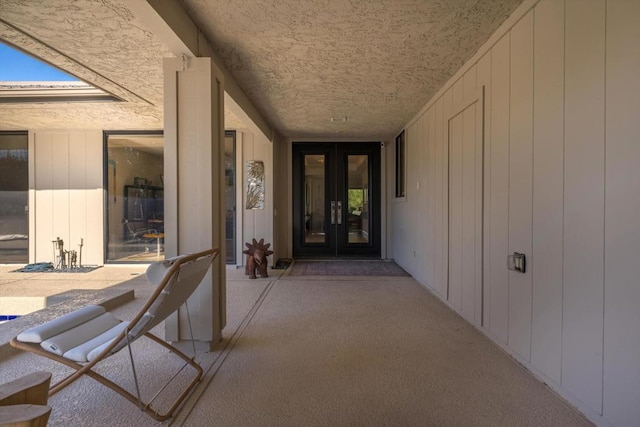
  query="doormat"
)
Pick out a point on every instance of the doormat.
point(282, 264)
point(47, 267)
point(346, 268)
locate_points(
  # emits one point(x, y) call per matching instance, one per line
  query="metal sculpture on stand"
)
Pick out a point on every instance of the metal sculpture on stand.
point(59, 260)
point(80, 252)
point(73, 259)
point(66, 260)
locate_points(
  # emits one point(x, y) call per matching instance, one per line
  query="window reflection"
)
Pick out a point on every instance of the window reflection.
point(230, 195)
point(358, 199)
point(14, 197)
point(135, 197)
point(314, 198)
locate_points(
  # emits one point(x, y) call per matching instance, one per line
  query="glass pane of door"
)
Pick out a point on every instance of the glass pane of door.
point(14, 197)
point(358, 198)
point(336, 199)
point(230, 195)
point(135, 196)
point(314, 198)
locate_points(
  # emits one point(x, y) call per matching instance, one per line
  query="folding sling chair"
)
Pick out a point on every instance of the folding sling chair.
point(83, 338)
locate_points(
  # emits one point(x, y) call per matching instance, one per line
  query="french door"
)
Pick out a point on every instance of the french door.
point(336, 200)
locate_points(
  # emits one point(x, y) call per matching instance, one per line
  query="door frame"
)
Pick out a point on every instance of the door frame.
point(476, 98)
point(336, 153)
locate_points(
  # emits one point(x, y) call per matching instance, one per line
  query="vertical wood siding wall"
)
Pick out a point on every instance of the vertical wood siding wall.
point(68, 195)
point(257, 223)
point(67, 189)
point(560, 163)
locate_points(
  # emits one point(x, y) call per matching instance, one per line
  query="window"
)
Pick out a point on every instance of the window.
point(230, 194)
point(135, 196)
point(400, 165)
point(14, 197)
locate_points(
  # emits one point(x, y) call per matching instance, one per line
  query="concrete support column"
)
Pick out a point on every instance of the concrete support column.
point(194, 189)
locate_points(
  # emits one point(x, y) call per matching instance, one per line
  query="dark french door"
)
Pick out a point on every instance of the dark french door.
point(336, 200)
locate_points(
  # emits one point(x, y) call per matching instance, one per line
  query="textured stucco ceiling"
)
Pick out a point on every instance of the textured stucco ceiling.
point(301, 62)
point(98, 42)
point(376, 62)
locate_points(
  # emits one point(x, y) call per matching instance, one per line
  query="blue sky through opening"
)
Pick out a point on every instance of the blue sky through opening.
point(16, 66)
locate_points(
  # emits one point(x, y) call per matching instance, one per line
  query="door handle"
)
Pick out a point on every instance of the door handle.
point(339, 212)
point(333, 212)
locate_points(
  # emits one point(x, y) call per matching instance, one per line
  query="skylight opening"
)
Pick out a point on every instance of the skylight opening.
point(24, 78)
point(16, 66)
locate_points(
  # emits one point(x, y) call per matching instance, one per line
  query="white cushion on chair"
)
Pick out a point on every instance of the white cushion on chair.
point(61, 343)
point(99, 349)
point(81, 352)
point(157, 270)
point(61, 324)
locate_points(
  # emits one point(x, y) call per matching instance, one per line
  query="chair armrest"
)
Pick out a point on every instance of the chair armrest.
point(25, 415)
point(31, 389)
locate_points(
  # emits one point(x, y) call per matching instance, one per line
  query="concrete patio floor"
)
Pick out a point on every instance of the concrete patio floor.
point(301, 351)
point(86, 402)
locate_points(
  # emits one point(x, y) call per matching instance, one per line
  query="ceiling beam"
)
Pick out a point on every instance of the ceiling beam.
point(172, 24)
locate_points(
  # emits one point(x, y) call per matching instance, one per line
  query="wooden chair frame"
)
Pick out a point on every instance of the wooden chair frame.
point(23, 402)
point(86, 368)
